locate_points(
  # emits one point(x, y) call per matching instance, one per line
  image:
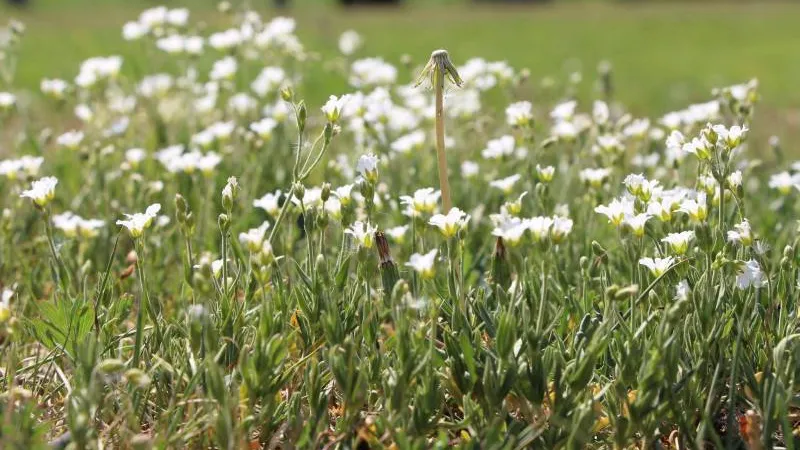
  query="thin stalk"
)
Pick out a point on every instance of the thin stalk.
point(144, 302)
point(447, 203)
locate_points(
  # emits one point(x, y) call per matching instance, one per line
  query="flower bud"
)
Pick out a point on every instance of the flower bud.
point(598, 249)
point(325, 193)
point(287, 94)
point(110, 366)
point(299, 190)
point(138, 378)
point(224, 222)
point(302, 114)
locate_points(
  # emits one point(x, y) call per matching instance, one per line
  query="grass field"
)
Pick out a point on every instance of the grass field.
point(664, 55)
point(206, 251)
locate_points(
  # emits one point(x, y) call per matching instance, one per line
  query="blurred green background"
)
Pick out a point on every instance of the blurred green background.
point(665, 54)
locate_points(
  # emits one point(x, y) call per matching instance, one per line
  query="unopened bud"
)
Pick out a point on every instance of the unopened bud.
point(302, 114)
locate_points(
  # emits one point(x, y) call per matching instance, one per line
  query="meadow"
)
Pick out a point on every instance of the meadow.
point(231, 228)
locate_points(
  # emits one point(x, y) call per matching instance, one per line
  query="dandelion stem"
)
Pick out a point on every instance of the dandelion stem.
point(440, 152)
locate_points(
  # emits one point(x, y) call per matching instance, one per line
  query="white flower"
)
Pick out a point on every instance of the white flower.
point(741, 234)
point(70, 140)
point(637, 223)
point(367, 167)
point(640, 186)
point(73, 225)
point(7, 100)
point(269, 202)
point(600, 112)
point(565, 130)
point(735, 179)
point(344, 193)
point(138, 222)
point(224, 40)
point(563, 111)
point(132, 31)
point(540, 227)
point(254, 237)
point(637, 129)
point(54, 88)
point(334, 106)
point(408, 142)
point(224, 69)
point(363, 233)
point(264, 127)
point(696, 208)
point(700, 147)
point(469, 169)
point(349, 42)
point(511, 229)
point(617, 210)
point(423, 264)
point(679, 242)
point(41, 191)
point(783, 182)
point(561, 228)
point(269, 80)
point(372, 72)
point(499, 148)
point(398, 233)
point(423, 201)
point(750, 274)
point(657, 266)
point(594, 177)
point(178, 17)
point(506, 184)
point(682, 291)
point(608, 143)
point(452, 223)
point(519, 114)
point(545, 173)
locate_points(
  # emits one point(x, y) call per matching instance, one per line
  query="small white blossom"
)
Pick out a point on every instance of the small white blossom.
point(657, 266)
point(423, 264)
